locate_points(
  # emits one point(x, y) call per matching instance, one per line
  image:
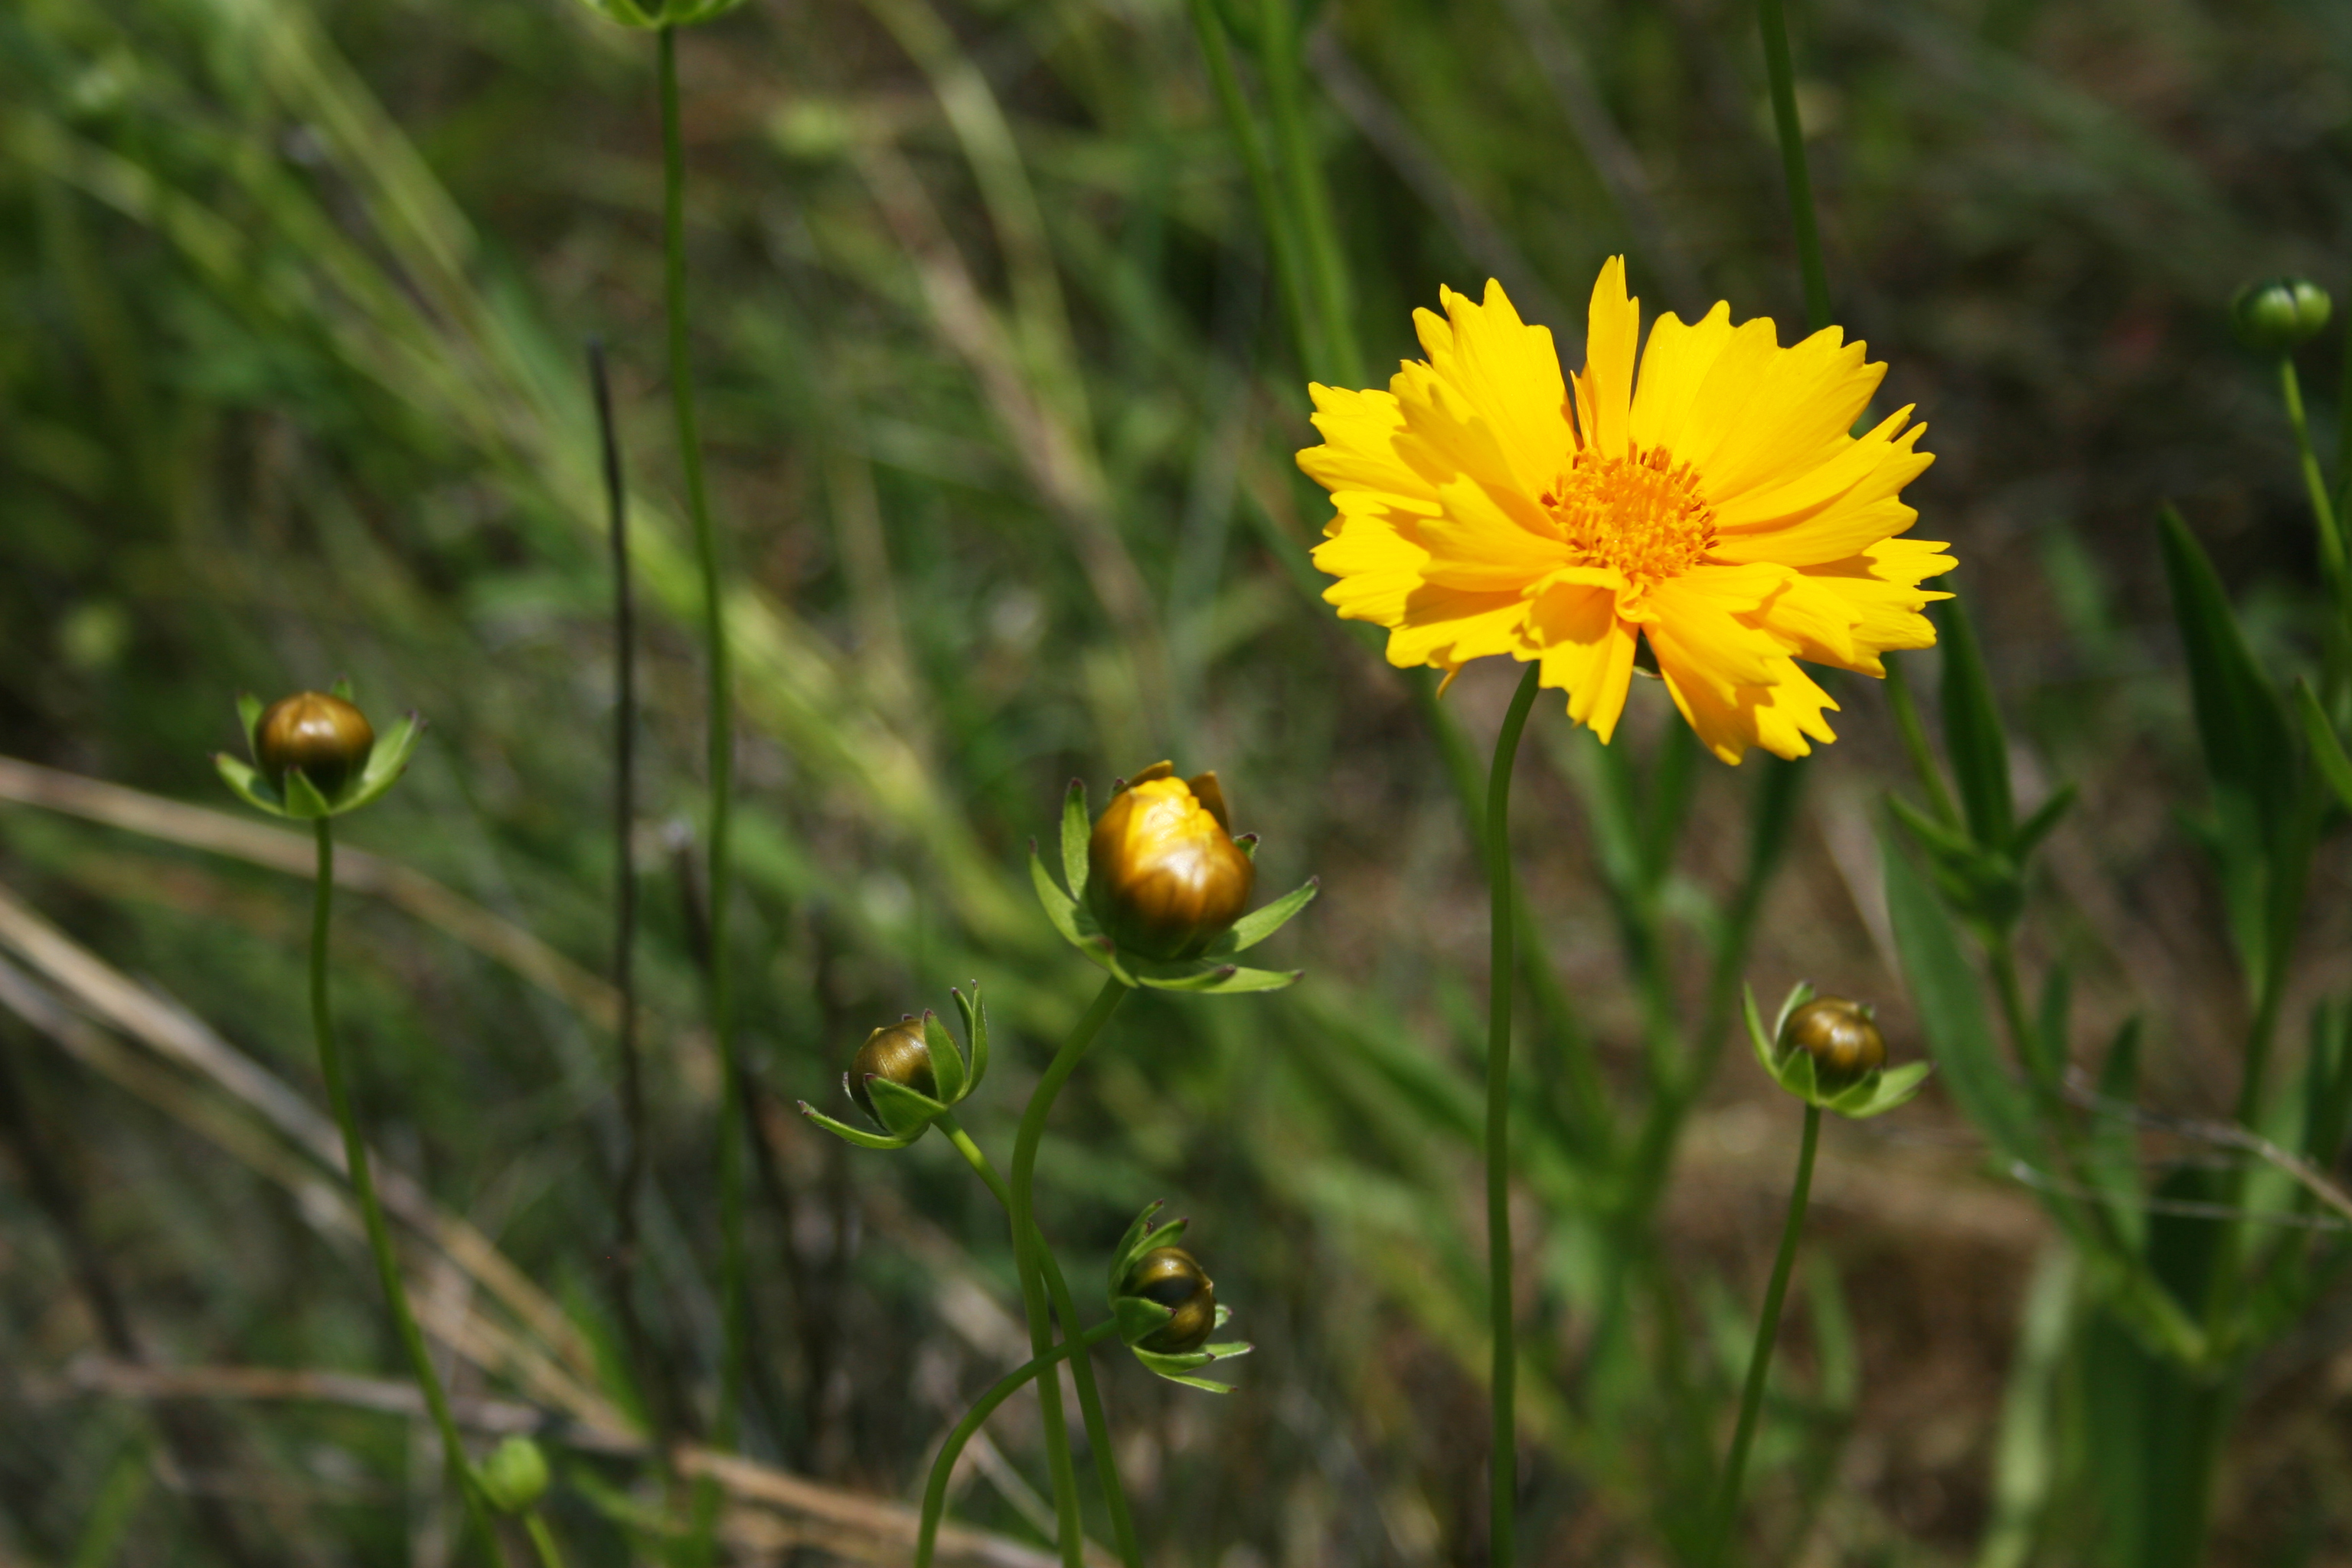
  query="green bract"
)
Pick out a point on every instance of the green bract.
point(515, 1477)
point(1140, 1318)
point(674, 14)
point(908, 1113)
point(1875, 1092)
point(1212, 971)
point(298, 797)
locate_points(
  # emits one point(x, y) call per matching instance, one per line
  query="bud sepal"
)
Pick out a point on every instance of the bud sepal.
point(921, 1050)
point(1083, 910)
point(649, 15)
point(1141, 1317)
point(378, 762)
point(1871, 1093)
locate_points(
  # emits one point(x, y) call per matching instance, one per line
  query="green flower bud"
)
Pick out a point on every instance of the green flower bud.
point(1165, 878)
point(1839, 1035)
point(648, 14)
point(1174, 1278)
point(899, 1054)
point(326, 737)
point(2280, 315)
point(515, 1476)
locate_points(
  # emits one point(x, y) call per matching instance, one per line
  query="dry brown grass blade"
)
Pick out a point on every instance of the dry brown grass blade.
point(218, 832)
point(848, 1523)
point(114, 998)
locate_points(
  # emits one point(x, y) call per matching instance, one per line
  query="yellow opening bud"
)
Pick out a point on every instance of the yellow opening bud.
point(1174, 1278)
point(899, 1053)
point(1164, 875)
point(324, 736)
point(1839, 1034)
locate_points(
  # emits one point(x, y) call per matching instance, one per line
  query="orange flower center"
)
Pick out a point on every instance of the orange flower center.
point(1642, 513)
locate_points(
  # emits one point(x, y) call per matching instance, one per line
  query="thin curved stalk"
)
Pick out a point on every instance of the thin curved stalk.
point(721, 763)
point(1773, 23)
point(542, 1540)
point(362, 1175)
point(935, 1489)
point(1027, 1246)
point(1501, 973)
point(1082, 1372)
point(1768, 1330)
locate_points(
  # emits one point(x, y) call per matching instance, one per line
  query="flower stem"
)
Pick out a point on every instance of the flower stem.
point(721, 765)
point(542, 1540)
point(1768, 1330)
point(379, 1234)
point(1503, 1530)
point(935, 1489)
point(1027, 1246)
point(2333, 563)
point(1091, 1406)
point(1773, 23)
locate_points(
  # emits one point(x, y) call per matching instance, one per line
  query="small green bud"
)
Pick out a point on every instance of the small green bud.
point(899, 1053)
point(2280, 315)
point(1172, 1277)
point(515, 1476)
point(1839, 1035)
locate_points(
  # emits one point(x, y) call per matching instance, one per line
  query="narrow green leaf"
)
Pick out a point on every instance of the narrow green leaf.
point(1224, 979)
point(1057, 905)
point(2249, 745)
point(2035, 828)
point(1077, 827)
point(849, 1134)
point(903, 1110)
point(2112, 1144)
point(249, 710)
point(1260, 923)
point(1972, 732)
point(2326, 748)
point(1952, 1012)
point(1895, 1087)
point(2054, 1022)
point(249, 786)
point(947, 1062)
point(975, 1029)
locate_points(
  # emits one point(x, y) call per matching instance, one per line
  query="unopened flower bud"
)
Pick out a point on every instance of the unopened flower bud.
point(1174, 1278)
point(1841, 1038)
point(515, 1476)
point(2279, 314)
point(899, 1053)
point(325, 737)
point(1165, 878)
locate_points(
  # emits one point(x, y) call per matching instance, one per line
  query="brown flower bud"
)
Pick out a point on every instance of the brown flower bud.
point(899, 1053)
point(324, 736)
point(1164, 875)
point(1174, 1278)
point(1839, 1034)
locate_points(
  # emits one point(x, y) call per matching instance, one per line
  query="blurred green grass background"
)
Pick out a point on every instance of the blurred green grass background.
point(1000, 406)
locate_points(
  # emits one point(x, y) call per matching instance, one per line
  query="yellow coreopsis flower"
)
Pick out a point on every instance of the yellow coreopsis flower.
point(1717, 507)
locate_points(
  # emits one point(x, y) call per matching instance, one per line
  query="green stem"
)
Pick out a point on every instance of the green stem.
point(1289, 270)
point(2332, 556)
point(1913, 735)
point(721, 764)
point(1774, 25)
point(362, 1175)
point(1308, 195)
point(1026, 1246)
point(1082, 1371)
point(935, 1488)
point(542, 1540)
point(1768, 1330)
point(1501, 972)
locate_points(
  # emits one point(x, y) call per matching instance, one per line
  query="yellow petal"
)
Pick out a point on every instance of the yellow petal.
point(1588, 652)
point(1361, 431)
point(1673, 363)
point(1604, 391)
point(1487, 539)
point(1508, 375)
point(1447, 626)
